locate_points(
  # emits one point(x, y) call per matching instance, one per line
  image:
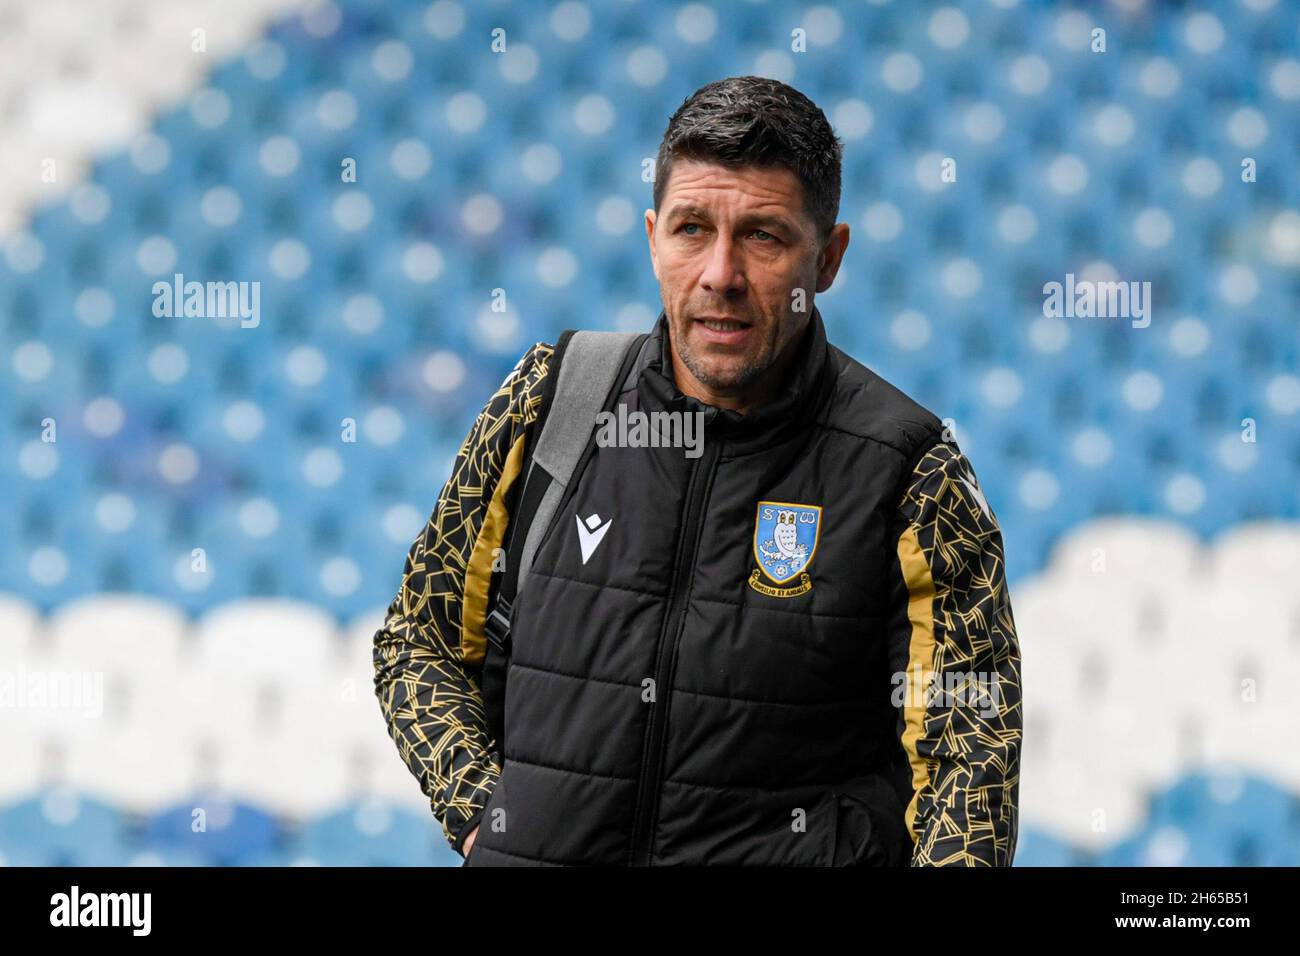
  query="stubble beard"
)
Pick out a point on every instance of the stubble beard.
point(731, 380)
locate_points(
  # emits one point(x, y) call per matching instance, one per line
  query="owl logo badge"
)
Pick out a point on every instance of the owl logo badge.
point(785, 540)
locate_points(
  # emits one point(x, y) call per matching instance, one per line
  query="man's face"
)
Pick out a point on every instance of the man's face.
point(734, 245)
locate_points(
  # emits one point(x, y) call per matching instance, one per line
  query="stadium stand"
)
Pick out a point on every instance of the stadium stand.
point(1145, 478)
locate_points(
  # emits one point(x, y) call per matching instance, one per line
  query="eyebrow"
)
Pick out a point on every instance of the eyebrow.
point(678, 213)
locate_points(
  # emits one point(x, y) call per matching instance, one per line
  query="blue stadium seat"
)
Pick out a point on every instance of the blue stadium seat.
point(215, 829)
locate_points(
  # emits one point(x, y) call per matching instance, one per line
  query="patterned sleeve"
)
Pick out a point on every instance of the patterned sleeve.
point(431, 644)
point(960, 720)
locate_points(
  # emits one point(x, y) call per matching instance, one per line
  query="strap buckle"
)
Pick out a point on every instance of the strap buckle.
point(497, 625)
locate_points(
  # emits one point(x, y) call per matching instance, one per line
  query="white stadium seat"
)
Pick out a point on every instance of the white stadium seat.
point(278, 640)
point(140, 769)
point(1259, 553)
point(119, 634)
point(1124, 552)
point(19, 624)
point(288, 775)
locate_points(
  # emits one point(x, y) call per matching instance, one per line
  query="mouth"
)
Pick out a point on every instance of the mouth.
point(722, 330)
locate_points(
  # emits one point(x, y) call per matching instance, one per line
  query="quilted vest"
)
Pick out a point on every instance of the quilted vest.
point(709, 682)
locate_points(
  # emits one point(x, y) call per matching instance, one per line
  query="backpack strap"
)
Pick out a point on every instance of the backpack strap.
point(587, 373)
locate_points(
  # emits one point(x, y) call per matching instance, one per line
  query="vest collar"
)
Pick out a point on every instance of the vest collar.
point(791, 409)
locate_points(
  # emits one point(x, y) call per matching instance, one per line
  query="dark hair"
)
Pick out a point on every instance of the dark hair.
point(756, 121)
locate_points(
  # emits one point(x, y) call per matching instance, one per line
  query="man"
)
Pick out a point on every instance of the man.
point(795, 648)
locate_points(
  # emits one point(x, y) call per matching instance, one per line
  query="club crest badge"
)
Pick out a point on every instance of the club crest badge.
point(785, 540)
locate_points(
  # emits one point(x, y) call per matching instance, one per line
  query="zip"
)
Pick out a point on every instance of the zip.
point(649, 782)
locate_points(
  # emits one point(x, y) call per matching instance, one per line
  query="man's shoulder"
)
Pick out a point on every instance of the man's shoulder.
point(534, 362)
point(865, 404)
point(524, 383)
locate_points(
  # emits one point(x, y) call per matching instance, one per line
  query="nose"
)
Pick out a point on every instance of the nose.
point(722, 273)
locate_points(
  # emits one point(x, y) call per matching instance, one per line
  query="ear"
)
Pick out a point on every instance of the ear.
point(650, 218)
point(831, 255)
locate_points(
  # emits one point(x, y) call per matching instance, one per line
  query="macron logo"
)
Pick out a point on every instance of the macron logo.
point(590, 533)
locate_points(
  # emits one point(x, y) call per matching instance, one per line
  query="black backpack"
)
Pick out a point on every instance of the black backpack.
point(587, 370)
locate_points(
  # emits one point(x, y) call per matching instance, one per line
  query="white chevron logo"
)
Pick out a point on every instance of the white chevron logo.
point(590, 534)
point(969, 481)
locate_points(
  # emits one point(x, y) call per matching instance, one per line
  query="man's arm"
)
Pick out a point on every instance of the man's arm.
point(954, 627)
point(432, 638)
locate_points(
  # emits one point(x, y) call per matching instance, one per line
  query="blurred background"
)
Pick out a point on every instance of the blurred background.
point(193, 559)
